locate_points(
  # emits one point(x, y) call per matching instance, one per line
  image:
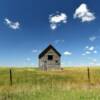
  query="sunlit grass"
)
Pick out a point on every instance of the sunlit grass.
point(34, 84)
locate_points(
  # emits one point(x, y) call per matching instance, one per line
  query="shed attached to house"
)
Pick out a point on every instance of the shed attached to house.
point(49, 58)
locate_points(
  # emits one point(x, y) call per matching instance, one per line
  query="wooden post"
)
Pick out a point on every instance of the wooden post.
point(88, 70)
point(10, 72)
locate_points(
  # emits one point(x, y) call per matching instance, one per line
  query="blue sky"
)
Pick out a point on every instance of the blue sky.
point(28, 26)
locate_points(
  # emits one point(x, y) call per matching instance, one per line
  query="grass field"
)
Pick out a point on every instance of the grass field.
point(33, 84)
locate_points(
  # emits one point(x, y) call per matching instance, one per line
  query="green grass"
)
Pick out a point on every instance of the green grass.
point(33, 84)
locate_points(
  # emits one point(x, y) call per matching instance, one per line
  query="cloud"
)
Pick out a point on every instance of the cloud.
point(95, 51)
point(55, 20)
point(83, 54)
point(89, 50)
point(67, 53)
point(28, 59)
point(86, 53)
point(87, 47)
point(59, 41)
point(34, 51)
point(93, 38)
point(12, 25)
point(83, 13)
point(53, 26)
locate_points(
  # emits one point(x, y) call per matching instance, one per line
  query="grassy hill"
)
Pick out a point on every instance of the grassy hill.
point(33, 84)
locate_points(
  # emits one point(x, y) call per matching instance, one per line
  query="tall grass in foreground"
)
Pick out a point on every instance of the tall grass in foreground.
point(32, 84)
point(31, 93)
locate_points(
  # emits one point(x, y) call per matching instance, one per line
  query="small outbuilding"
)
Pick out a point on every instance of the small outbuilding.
point(49, 58)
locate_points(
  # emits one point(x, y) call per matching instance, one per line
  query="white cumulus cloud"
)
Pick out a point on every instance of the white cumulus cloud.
point(89, 50)
point(67, 53)
point(11, 24)
point(83, 13)
point(57, 19)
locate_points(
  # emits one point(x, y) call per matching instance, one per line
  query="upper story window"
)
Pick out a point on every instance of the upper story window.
point(50, 57)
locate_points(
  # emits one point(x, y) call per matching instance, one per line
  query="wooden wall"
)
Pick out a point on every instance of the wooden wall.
point(44, 62)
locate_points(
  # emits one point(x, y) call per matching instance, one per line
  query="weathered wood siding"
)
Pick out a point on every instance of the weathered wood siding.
point(44, 62)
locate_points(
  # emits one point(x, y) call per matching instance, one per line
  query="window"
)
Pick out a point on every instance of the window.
point(50, 57)
point(57, 61)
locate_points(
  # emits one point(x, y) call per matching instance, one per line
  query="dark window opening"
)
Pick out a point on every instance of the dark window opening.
point(57, 61)
point(50, 57)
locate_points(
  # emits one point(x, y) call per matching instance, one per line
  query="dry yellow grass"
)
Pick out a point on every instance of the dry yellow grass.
point(33, 84)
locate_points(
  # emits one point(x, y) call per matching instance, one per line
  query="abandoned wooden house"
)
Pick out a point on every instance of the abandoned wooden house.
point(49, 58)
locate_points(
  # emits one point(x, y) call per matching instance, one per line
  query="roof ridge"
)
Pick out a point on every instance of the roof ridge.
point(45, 51)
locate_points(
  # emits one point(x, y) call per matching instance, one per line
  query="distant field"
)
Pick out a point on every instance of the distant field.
point(33, 84)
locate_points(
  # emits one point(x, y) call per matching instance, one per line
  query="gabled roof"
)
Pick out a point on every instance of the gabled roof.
point(47, 49)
